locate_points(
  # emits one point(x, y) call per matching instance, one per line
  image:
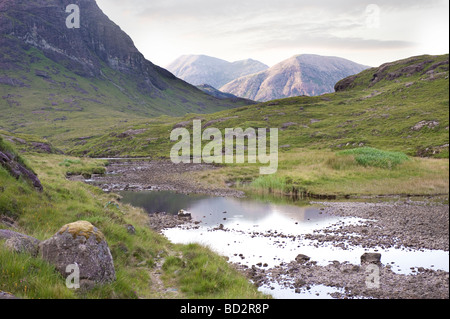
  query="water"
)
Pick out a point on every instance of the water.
point(238, 228)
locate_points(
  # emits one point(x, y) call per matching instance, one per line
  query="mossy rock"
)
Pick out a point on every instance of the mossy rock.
point(81, 244)
point(82, 228)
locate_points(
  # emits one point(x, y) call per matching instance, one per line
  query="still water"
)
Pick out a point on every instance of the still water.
point(252, 231)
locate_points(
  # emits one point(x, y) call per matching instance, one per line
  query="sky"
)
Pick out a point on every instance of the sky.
point(368, 32)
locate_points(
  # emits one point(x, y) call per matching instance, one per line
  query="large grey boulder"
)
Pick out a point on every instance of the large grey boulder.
point(82, 244)
point(20, 243)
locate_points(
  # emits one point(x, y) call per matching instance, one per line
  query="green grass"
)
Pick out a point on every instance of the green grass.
point(203, 274)
point(23, 275)
point(325, 172)
point(42, 214)
point(367, 156)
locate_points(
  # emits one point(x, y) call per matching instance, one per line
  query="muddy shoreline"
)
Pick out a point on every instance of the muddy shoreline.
point(420, 224)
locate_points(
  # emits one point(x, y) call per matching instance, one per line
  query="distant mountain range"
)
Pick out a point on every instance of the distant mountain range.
point(202, 69)
point(305, 74)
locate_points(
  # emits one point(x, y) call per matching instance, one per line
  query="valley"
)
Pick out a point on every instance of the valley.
point(85, 136)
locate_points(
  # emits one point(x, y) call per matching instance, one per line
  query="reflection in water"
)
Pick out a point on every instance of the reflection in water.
point(246, 223)
point(221, 210)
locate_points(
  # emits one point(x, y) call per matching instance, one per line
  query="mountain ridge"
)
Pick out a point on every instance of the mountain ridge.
point(203, 69)
point(304, 74)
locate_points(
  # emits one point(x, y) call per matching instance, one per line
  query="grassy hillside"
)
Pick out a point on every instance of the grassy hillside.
point(41, 97)
point(136, 257)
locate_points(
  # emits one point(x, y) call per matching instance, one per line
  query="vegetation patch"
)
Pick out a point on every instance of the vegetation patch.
point(368, 156)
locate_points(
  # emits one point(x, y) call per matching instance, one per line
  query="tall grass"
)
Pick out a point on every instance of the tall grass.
point(372, 157)
point(203, 274)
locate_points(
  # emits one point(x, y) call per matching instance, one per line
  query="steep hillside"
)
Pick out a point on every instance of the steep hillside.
point(202, 69)
point(60, 81)
point(300, 75)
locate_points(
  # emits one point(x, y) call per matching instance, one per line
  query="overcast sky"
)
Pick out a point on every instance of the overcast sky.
point(368, 32)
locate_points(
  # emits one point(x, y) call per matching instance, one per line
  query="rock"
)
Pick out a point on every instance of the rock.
point(422, 124)
point(371, 258)
point(5, 295)
point(302, 259)
point(17, 170)
point(182, 214)
point(130, 229)
point(287, 125)
point(20, 243)
point(83, 244)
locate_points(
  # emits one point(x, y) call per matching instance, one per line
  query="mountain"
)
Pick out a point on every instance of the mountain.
point(202, 69)
point(222, 95)
point(58, 81)
point(305, 74)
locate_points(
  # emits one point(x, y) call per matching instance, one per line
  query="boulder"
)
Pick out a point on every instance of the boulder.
point(6, 295)
point(20, 243)
point(371, 258)
point(302, 259)
point(83, 244)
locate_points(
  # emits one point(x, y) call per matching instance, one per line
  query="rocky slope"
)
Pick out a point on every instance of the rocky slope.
point(202, 69)
point(300, 75)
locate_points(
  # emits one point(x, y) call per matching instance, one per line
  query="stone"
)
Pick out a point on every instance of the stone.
point(5, 295)
point(371, 258)
point(302, 259)
point(20, 243)
point(83, 244)
point(182, 214)
point(17, 170)
point(130, 229)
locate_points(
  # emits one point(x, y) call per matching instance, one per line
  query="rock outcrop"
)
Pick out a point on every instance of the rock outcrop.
point(82, 244)
point(17, 169)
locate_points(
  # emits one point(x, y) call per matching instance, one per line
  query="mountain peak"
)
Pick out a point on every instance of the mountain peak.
point(304, 74)
point(203, 69)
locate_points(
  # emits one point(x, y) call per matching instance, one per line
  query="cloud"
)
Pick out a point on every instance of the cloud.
point(232, 26)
